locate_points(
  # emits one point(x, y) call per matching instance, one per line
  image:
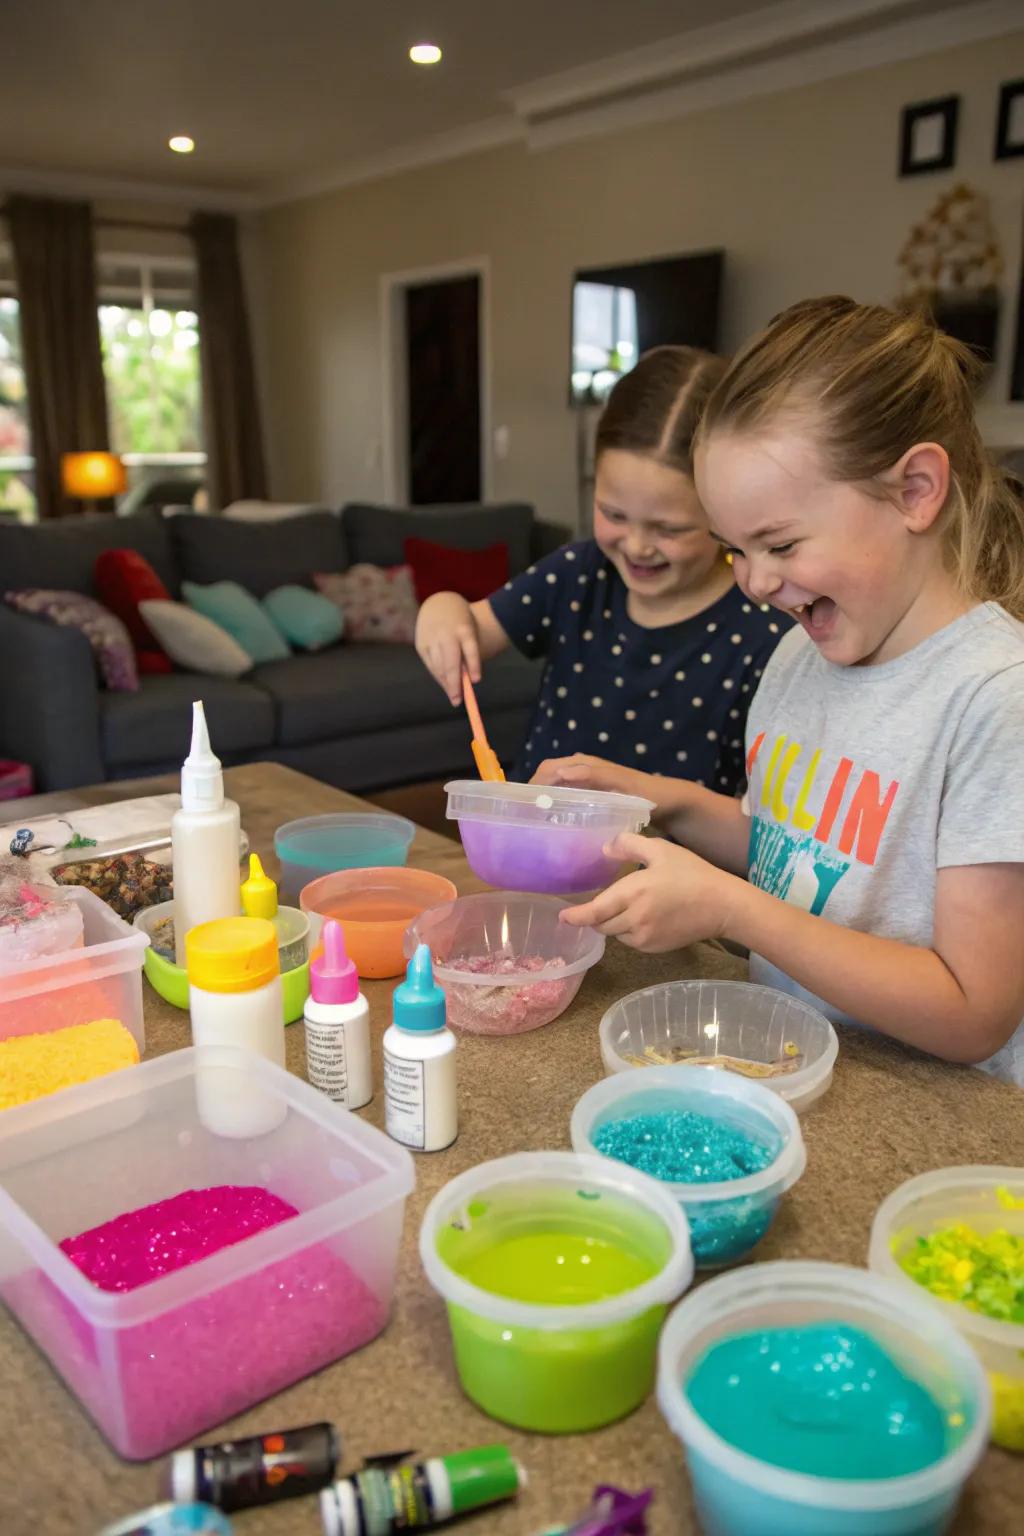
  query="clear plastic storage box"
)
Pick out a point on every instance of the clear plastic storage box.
point(156, 1365)
point(101, 980)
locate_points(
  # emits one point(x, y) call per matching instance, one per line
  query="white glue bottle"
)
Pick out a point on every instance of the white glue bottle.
point(205, 841)
point(337, 1023)
point(421, 1107)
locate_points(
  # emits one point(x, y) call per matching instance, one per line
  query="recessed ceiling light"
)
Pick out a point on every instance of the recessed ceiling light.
point(181, 144)
point(425, 53)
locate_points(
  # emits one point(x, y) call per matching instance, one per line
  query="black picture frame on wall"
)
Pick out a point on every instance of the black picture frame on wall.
point(928, 136)
point(1017, 360)
point(1010, 121)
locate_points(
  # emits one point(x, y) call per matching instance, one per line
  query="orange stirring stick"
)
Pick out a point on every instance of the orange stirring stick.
point(484, 755)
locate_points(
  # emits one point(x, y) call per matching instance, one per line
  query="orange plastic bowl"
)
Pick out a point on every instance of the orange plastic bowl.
point(374, 907)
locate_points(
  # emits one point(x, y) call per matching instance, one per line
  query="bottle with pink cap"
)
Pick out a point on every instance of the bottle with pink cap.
point(337, 1023)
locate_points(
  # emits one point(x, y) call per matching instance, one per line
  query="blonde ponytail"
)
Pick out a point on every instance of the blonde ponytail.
point(879, 382)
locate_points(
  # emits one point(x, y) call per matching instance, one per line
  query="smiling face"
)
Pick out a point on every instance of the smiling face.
point(863, 574)
point(649, 522)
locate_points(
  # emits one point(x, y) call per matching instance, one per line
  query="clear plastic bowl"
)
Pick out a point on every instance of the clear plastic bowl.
point(728, 1218)
point(529, 837)
point(100, 980)
point(529, 965)
point(156, 1365)
point(563, 1366)
point(320, 845)
point(739, 1495)
point(925, 1205)
point(374, 907)
point(724, 1018)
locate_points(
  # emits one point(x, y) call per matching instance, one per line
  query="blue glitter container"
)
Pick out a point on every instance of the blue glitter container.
point(739, 1494)
point(727, 1217)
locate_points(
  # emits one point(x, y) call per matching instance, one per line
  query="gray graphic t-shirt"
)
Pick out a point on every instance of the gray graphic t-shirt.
point(865, 781)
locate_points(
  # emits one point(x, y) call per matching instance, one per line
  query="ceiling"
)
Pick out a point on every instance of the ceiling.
point(285, 99)
point(280, 94)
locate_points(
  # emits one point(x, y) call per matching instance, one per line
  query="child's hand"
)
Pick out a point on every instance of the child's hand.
point(583, 772)
point(447, 638)
point(675, 899)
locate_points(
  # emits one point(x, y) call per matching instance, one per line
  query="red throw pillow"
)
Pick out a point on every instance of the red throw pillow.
point(473, 573)
point(123, 579)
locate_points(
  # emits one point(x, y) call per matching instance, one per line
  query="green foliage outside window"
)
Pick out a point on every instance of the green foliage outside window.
point(151, 364)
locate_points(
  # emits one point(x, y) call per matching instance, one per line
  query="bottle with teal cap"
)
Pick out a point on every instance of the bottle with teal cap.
point(416, 1497)
point(420, 1100)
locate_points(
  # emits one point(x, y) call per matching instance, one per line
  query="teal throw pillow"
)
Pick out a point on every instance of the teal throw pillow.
point(237, 611)
point(306, 619)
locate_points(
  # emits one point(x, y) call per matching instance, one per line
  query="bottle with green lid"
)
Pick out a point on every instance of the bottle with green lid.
point(408, 1498)
point(421, 1104)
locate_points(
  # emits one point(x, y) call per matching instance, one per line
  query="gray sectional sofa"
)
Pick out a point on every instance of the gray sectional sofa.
point(361, 716)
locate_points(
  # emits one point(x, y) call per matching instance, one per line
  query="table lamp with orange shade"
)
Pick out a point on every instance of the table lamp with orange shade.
point(92, 477)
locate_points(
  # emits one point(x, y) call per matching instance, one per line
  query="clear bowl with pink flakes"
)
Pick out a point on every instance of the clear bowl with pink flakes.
point(507, 965)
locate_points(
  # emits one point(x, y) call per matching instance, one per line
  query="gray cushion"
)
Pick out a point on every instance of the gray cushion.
point(261, 556)
point(367, 687)
point(155, 724)
point(62, 553)
point(378, 534)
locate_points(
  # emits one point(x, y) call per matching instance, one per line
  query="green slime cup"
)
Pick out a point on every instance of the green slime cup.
point(557, 1271)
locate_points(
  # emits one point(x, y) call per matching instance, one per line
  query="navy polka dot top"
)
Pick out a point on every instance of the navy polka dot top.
point(671, 700)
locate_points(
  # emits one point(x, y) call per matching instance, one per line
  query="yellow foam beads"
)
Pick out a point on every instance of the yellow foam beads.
point(984, 1272)
point(32, 1066)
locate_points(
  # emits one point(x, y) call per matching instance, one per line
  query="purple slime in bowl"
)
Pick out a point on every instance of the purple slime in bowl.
point(552, 860)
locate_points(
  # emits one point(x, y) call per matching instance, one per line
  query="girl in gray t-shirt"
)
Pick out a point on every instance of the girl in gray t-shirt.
point(876, 863)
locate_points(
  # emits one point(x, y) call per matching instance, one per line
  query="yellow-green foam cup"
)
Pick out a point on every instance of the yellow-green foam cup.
point(557, 1270)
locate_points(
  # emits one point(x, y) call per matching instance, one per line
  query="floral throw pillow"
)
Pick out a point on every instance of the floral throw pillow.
point(377, 602)
point(110, 640)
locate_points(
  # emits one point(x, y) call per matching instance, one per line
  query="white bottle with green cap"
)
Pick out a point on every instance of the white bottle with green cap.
point(419, 1496)
point(420, 1100)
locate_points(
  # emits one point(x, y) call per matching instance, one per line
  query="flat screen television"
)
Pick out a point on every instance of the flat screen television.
point(618, 313)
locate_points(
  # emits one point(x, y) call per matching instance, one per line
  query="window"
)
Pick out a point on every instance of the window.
point(149, 334)
point(150, 337)
point(16, 492)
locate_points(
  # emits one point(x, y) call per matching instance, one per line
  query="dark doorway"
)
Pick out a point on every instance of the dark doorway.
point(442, 340)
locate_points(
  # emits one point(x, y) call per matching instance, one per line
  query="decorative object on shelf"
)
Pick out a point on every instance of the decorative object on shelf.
point(928, 136)
point(92, 477)
point(951, 264)
point(1010, 121)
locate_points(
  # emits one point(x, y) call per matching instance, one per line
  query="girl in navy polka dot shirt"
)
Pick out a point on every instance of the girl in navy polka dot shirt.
point(653, 653)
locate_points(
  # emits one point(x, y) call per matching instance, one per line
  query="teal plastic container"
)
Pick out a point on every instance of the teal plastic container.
point(557, 1271)
point(738, 1494)
point(729, 1218)
point(321, 845)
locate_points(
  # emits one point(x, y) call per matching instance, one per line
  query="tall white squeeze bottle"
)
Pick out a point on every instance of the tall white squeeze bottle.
point(337, 1025)
point(205, 839)
point(420, 1103)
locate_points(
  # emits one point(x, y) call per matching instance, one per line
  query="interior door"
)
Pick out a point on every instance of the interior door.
point(442, 330)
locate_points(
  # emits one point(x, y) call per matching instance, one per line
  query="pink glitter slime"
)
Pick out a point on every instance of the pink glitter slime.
point(507, 1009)
point(155, 1384)
point(160, 1238)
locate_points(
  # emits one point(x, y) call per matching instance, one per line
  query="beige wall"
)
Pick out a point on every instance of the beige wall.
point(800, 189)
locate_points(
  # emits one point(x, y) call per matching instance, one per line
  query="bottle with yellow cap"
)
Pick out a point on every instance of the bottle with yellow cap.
point(234, 991)
point(259, 899)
